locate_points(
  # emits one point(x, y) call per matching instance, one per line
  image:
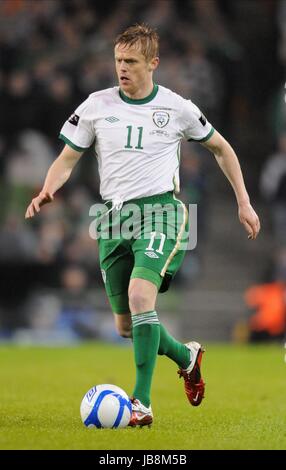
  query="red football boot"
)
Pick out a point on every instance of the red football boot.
point(141, 415)
point(194, 384)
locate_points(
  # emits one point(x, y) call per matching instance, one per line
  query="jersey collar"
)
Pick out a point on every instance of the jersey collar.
point(141, 100)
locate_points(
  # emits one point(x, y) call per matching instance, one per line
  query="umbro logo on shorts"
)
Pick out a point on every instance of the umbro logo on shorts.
point(111, 119)
point(151, 254)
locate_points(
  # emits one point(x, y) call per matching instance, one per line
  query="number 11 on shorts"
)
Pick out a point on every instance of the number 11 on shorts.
point(152, 239)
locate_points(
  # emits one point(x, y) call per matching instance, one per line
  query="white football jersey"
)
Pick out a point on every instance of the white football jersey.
point(137, 142)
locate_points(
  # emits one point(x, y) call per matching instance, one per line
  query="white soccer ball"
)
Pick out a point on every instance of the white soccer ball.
point(105, 406)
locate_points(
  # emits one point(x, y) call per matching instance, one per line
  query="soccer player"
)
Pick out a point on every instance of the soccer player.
point(136, 129)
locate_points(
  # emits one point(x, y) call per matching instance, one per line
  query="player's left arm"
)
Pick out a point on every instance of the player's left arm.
point(229, 164)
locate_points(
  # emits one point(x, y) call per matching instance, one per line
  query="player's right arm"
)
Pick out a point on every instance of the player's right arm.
point(58, 173)
point(78, 132)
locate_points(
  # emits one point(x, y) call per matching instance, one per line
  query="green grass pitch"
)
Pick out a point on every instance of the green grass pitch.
point(41, 389)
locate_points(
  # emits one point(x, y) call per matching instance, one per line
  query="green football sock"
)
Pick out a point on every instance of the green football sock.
point(146, 338)
point(173, 349)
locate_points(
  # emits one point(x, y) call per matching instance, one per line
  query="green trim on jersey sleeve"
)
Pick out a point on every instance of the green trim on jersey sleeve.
point(142, 100)
point(205, 138)
point(71, 144)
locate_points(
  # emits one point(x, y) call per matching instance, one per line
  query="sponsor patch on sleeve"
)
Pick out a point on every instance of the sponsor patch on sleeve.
point(203, 120)
point(73, 119)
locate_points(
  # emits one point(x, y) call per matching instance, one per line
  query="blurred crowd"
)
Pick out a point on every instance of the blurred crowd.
point(54, 53)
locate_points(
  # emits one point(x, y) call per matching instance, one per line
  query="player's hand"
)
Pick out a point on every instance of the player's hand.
point(37, 203)
point(249, 219)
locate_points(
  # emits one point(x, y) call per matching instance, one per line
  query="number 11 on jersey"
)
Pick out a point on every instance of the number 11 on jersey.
point(129, 135)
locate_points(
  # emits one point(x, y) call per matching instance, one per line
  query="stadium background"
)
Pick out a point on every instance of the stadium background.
point(229, 57)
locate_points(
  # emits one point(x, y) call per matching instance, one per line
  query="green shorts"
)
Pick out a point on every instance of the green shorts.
point(146, 239)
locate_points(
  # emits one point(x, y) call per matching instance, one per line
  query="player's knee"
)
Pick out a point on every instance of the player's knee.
point(124, 331)
point(123, 326)
point(138, 300)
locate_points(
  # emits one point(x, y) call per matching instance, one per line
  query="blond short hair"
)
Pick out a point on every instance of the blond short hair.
point(141, 34)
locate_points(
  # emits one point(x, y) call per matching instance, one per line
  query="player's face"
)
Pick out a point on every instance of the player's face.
point(133, 71)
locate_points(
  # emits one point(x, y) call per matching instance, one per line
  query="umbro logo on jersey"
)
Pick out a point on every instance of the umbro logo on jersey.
point(151, 254)
point(161, 118)
point(111, 119)
point(73, 119)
